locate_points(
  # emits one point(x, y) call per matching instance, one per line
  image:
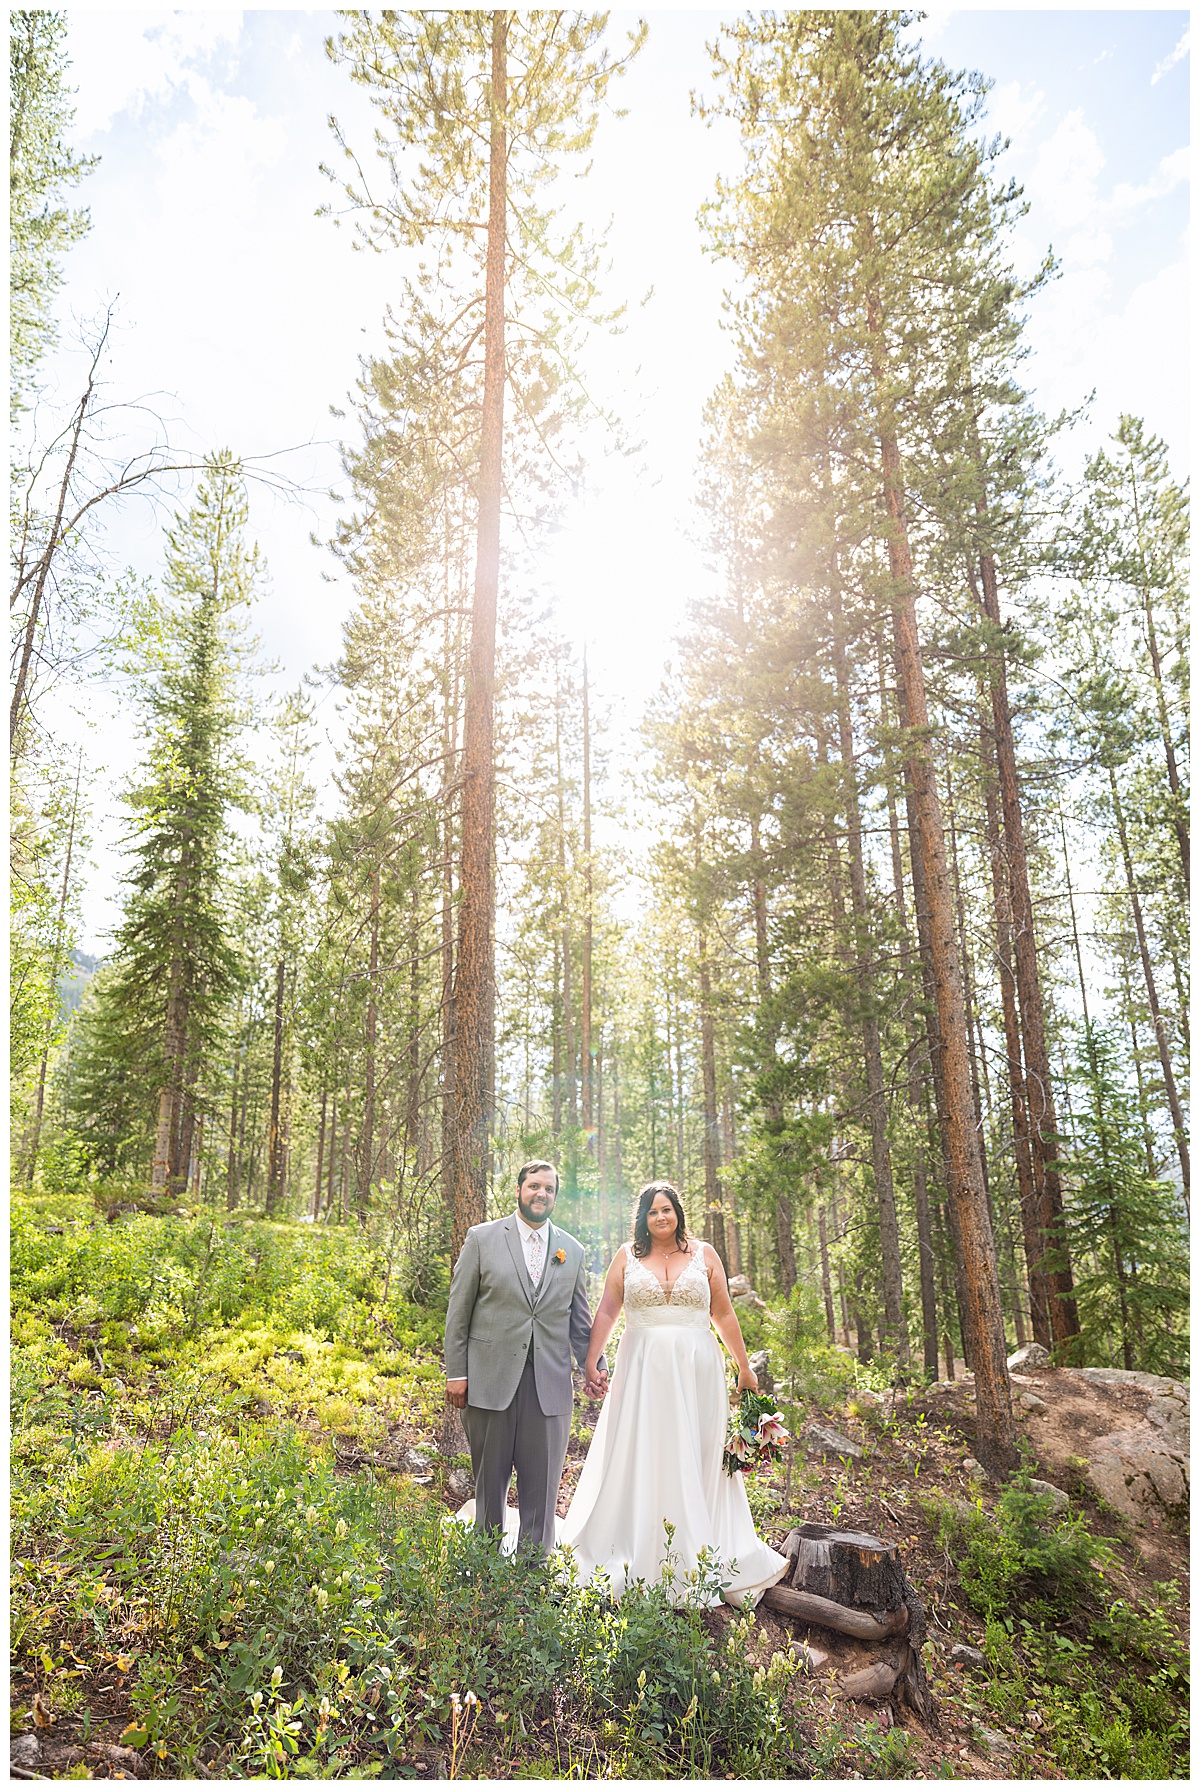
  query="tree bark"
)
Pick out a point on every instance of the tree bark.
point(715, 1227)
point(585, 993)
point(56, 970)
point(1027, 1195)
point(826, 1283)
point(1064, 1317)
point(275, 1142)
point(996, 1429)
point(1156, 1018)
point(782, 1215)
point(474, 989)
point(365, 1153)
point(881, 1159)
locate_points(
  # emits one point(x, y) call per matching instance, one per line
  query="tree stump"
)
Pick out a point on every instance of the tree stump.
point(850, 1568)
point(854, 1584)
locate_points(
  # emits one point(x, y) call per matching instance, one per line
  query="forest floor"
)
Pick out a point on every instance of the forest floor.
point(231, 1474)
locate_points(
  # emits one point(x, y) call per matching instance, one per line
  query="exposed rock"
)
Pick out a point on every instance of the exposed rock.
point(415, 1461)
point(992, 1741)
point(1122, 1376)
point(1030, 1355)
point(972, 1468)
point(460, 1484)
point(968, 1656)
point(1141, 1473)
point(1059, 1499)
point(1029, 1401)
point(25, 1750)
point(819, 1438)
point(813, 1659)
point(742, 1293)
point(760, 1361)
point(871, 1684)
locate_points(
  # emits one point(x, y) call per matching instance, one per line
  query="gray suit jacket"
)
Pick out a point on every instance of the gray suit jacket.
point(494, 1310)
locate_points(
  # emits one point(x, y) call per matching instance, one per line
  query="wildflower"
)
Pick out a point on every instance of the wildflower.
point(312, 1514)
point(341, 1531)
point(276, 1678)
point(322, 1596)
point(268, 1567)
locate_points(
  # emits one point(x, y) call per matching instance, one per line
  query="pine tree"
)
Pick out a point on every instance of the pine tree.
point(1127, 1223)
point(175, 954)
point(493, 102)
point(41, 165)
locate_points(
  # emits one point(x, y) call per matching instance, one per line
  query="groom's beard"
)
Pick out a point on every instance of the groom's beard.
point(535, 1213)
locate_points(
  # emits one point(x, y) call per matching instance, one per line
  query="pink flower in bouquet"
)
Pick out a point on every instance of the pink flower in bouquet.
point(771, 1431)
point(739, 1448)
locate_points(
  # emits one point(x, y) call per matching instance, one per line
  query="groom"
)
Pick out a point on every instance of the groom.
point(518, 1308)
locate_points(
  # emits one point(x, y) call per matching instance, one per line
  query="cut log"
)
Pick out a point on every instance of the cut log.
point(848, 1567)
point(872, 1684)
point(865, 1625)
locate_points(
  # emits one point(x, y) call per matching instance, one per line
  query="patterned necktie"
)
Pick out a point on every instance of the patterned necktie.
point(535, 1256)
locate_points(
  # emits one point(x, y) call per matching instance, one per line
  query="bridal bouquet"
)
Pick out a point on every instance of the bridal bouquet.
point(756, 1434)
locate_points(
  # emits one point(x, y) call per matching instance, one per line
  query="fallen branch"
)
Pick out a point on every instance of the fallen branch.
point(865, 1625)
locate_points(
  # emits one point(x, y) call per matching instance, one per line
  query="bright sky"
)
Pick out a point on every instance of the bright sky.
point(242, 315)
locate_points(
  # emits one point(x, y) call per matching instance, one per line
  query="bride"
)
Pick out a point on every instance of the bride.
point(656, 1454)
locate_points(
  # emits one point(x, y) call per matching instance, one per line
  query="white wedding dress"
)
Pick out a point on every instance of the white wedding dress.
point(656, 1453)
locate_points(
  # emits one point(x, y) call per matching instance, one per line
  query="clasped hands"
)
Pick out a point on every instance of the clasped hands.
point(595, 1384)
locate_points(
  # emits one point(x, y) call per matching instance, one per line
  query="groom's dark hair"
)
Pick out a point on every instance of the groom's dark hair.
point(531, 1168)
point(641, 1230)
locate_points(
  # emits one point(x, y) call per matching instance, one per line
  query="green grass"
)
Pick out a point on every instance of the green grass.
point(1104, 1677)
point(195, 1571)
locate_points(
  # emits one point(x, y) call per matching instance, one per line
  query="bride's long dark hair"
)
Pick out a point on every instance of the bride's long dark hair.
point(641, 1230)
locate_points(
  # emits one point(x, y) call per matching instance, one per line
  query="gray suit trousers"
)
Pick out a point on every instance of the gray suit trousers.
point(520, 1436)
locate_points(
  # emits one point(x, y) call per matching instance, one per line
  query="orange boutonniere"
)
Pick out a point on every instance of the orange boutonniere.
point(560, 1255)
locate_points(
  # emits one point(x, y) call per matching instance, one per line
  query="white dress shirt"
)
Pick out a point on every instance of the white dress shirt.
point(529, 1231)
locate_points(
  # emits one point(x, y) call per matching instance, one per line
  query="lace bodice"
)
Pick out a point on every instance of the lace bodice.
point(647, 1303)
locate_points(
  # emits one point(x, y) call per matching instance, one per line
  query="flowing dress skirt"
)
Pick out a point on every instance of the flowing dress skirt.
point(655, 1459)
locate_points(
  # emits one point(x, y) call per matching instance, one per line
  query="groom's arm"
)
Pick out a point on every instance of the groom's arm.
point(581, 1322)
point(464, 1287)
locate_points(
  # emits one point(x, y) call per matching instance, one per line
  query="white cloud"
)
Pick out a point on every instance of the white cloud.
point(1011, 111)
point(119, 60)
point(1177, 55)
point(1065, 175)
point(1173, 169)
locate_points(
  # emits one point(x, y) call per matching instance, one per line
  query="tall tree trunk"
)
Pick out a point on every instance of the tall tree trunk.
point(915, 1091)
point(1179, 812)
point(57, 966)
point(316, 1198)
point(366, 1138)
point(1027, 1194)
point(714, 1229)
point(881, 1157)
point(782, 1214)
point(585, 994)
point(1064, 1317)
point(231, 1174)
point(733, 1235)
point(1156, 1018)
point(474, 987)
point(618, 1167)
point(275, 1141)
point(936, 1061)
point(826, 1283)
point(412, 1103)
point(995, 1427)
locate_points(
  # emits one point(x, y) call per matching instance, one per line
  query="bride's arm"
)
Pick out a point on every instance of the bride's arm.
point(607, 1313)
point(725, 1319)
